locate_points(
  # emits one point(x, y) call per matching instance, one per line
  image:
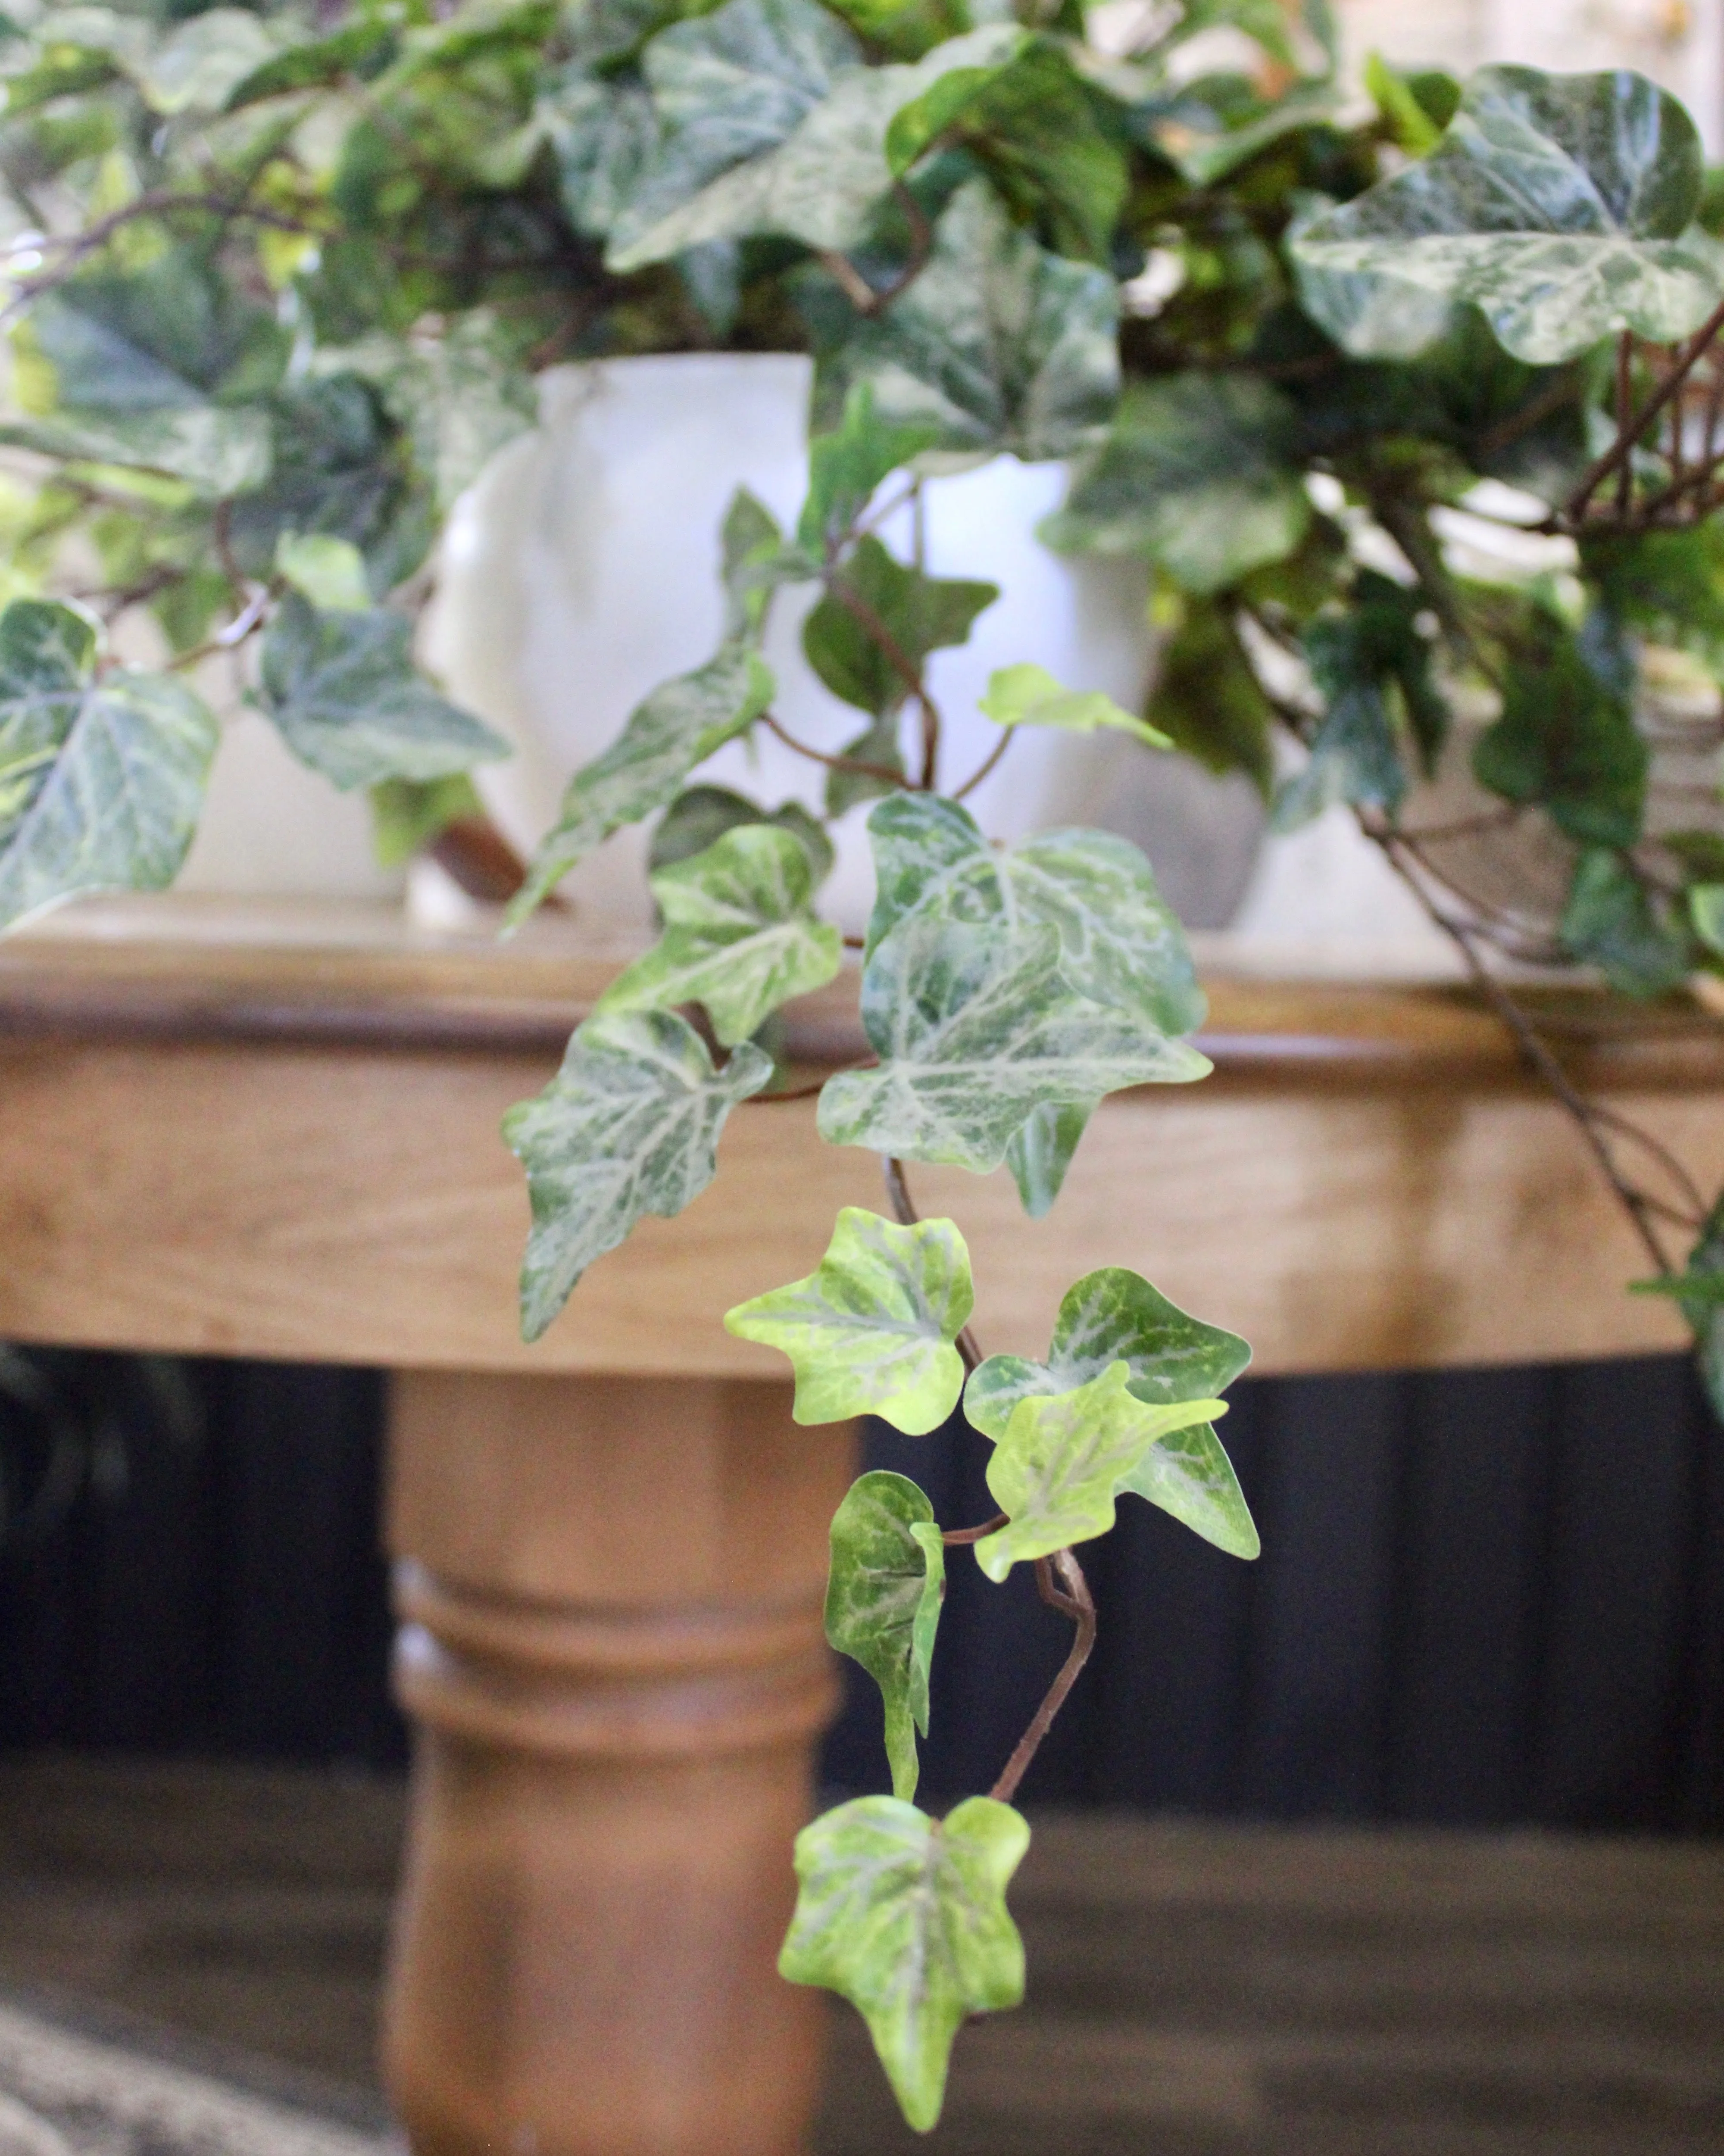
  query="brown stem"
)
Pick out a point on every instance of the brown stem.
point(956, 1538)
point(904, 1206)
point(1077, 1604)
point(880, 771)
point(987, 765)
point(867, 299)
point(1616, 458)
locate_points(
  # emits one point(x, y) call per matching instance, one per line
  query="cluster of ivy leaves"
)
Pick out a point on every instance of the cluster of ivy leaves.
point(280, 278)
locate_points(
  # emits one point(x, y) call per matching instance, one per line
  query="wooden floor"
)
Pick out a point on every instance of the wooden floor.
point(1195, 1989)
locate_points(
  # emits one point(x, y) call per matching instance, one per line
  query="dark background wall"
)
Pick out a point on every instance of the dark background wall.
point(1485, 1597)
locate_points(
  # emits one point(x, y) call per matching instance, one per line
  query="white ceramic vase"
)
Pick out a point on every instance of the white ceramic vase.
point(582, 571)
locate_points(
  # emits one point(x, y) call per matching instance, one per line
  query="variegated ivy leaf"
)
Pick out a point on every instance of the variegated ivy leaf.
point(159, 368)
point(998, 345)
point(629, 1126)
point(1561, 206)
point(823, 182)
point(678, 727)
point(870, 1330)
point(1119, 942)
point(1064, 1459)
point(101, 779)
point(341, 690)
point(1200, 474)
point(740, 934)
point(700, 815)
point(1029, 695)
point(199, 67)
point(1116, 1315)
point(975, 1030)
point(883, 1595)
point(906, 1917)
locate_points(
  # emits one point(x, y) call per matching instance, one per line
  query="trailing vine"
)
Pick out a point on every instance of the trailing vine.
point(1413, 413)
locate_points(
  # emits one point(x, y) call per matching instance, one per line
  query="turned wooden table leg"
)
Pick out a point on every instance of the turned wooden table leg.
point(611, 1649)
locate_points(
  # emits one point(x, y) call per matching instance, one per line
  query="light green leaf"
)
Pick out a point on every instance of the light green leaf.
point(870, 1330)
point(921, 614)
point(1028, 696)
point(328, 573)
point(206, 59)
point(740, 936)
point(1116, 1315)
point(997, 344)
point(1705, 910)
point(700, 815)
point(1200, 475)
point(408, 814)
point(1562, 206)
point(342, 691)
point(1064, 1460)
point(1121, 944)
point(101, 779)
point(823, 182)
point(629, 1126)
point(883, 1595)
point(906, 1917)
point(678, 727)
point(975, 1030)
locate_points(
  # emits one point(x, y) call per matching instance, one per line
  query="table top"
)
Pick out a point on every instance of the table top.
point(361, 974)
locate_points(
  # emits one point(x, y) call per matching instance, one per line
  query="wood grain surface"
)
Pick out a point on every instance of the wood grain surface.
point(252, 1131)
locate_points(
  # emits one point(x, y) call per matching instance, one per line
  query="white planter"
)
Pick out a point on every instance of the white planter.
point(582, 571)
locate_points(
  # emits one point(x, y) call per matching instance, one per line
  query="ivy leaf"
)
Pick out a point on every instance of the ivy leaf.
point(740, 936)
point(1199, 475)
point(1609, 922)
point(604, 136)
point(702, 815)
point(754, 562)
point(870, 1330)
point(883, 1594)
point(1121, 944)
point(1116, 1315)
point(678, 727)
point(823, 182)
point(101, 779)
point(1699, 1289)
point(1562, 206)
point(199, 66)
point(408, 814)
point(328, 573)
point(341, 690)
point(1064, 1459)
point(360, 48)
point(1207, 699)
point(1207, 144)
point(1035, 126)
point(847, 463)
point(998, 345)
point(460, 399)
point(1706, 910)
point(1566, 740)
point(629, 1126)
point(975, 1030)
point(920, 614)
point(1028, 696)
point(880, 745)
point(150, 368)
point(906, 1917)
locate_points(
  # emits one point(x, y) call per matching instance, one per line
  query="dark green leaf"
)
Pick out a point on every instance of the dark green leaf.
point(1610, 921)
point(847, 465)
point(702, 815)
point(1207, 699)
point(880, 747)
point(1566, 741)
point(920, 613)
point(629, 1126)
point(1198, 476)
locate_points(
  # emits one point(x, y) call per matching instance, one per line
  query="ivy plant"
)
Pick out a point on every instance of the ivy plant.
point(279, 279)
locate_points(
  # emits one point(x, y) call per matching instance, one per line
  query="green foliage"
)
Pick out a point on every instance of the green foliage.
point(1208, 700)
point(1566, 739)
point(1610, 923)
point(341, 690)
point(1199, 475)
point(870, 1331)
point(906, 1917)
point(920, 613)
point(102, 774)
point(700, 815)
point(741, 936)
point(1027, 695)
point(883, 1598)
point(627, 1127)
point(1563, 207)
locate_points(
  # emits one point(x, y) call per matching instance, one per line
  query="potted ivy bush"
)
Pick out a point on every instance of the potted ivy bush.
point(281, 281)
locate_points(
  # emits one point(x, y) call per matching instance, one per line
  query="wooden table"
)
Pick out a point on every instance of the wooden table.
point(273, 1133)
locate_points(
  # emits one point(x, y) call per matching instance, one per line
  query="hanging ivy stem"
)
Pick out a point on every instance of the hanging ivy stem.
point(898, 1191)
point(1630, 431)
point(957, 1537)
point(1076, 1603)
point(883, 772)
